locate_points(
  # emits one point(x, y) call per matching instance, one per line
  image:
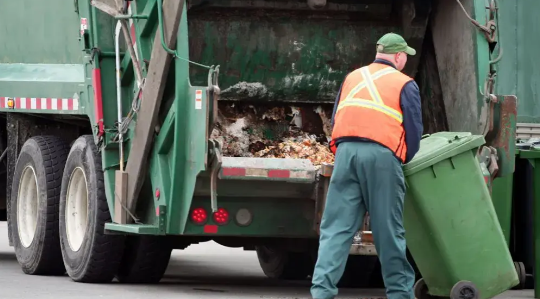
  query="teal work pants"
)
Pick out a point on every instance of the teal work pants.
point(366, 177)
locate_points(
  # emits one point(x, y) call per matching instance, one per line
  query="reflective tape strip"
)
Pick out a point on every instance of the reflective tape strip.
point(372, 105)
point(256, 172)
point(132, 32)
point(266, 173)
point(301, 174)
point(40, 103)
point(233, 172)
point(375, 76)
point(371, 86)
point(376, 103)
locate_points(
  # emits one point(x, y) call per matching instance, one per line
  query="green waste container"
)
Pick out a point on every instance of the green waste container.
point(501, 195)
point(452, 229)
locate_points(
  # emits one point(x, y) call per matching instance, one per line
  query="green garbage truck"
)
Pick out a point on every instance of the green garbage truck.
point(134, 127)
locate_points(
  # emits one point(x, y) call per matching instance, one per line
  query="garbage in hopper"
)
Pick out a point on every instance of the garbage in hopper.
point(274, 132)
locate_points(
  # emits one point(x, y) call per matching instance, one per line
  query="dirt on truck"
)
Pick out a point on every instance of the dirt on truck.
point(132, 128)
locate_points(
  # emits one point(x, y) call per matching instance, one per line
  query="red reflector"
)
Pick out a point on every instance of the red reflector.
point(199, 216)
point(221, 216)
point(210, 229)
point(486, 179)
point(276, 173)
point(234, 172)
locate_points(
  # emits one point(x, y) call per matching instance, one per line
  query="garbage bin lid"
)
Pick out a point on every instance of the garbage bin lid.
point(440, 146)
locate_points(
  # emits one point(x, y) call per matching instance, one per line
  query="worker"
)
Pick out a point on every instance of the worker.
point(377, 127)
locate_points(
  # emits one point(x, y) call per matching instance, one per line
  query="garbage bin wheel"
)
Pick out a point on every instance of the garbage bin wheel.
point(464, 290)
point(421, 290)
point(522, 275)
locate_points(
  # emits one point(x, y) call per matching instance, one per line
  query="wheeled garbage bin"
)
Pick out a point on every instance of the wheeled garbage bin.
point(452, 229)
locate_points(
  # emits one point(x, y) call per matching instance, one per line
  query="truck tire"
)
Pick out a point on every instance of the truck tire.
point(35, 193)
point(281, 264)
point(145, 259)
point(89, 254)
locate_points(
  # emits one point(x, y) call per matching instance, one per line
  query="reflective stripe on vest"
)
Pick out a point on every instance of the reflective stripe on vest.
point(376, 103)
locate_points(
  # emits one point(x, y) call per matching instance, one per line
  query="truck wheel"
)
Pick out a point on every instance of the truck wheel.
point(89, 255)
point(281, 264)
point(145, 259)
point(35, 193)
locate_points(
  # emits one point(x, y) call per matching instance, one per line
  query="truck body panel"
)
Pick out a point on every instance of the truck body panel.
point(41, 65)
point(268, 52)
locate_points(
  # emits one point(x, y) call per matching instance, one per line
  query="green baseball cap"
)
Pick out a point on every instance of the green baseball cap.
point(392, 43)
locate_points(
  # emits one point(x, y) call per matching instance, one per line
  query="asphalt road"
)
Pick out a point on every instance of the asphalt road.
point(207, 270)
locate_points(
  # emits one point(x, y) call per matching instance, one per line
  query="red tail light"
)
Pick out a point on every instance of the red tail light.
point(199, 216)
point(221, 216)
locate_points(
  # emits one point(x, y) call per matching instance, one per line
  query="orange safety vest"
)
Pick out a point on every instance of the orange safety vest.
point(369, 108)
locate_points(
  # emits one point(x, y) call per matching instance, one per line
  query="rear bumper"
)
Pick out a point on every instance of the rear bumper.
point(255, 200)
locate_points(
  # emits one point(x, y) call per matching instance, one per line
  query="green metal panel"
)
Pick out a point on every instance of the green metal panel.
point(518, 73)
point(40, 57)
point(281, 217)
point(501, 195)
point(45, 85)
point(179, 154)
point(303, 63)
point(284, 53)
point(39, 32)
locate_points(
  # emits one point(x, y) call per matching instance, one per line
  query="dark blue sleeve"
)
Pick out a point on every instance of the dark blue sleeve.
point(336, 103)
point(412, 118)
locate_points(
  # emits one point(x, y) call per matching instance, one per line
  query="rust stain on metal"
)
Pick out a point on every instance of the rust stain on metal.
point(367, 237)
point(503, 132)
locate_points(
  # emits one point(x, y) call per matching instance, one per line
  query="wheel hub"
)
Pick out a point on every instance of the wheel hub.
point(76, 209)
point(27, 206)
point(466, 293)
